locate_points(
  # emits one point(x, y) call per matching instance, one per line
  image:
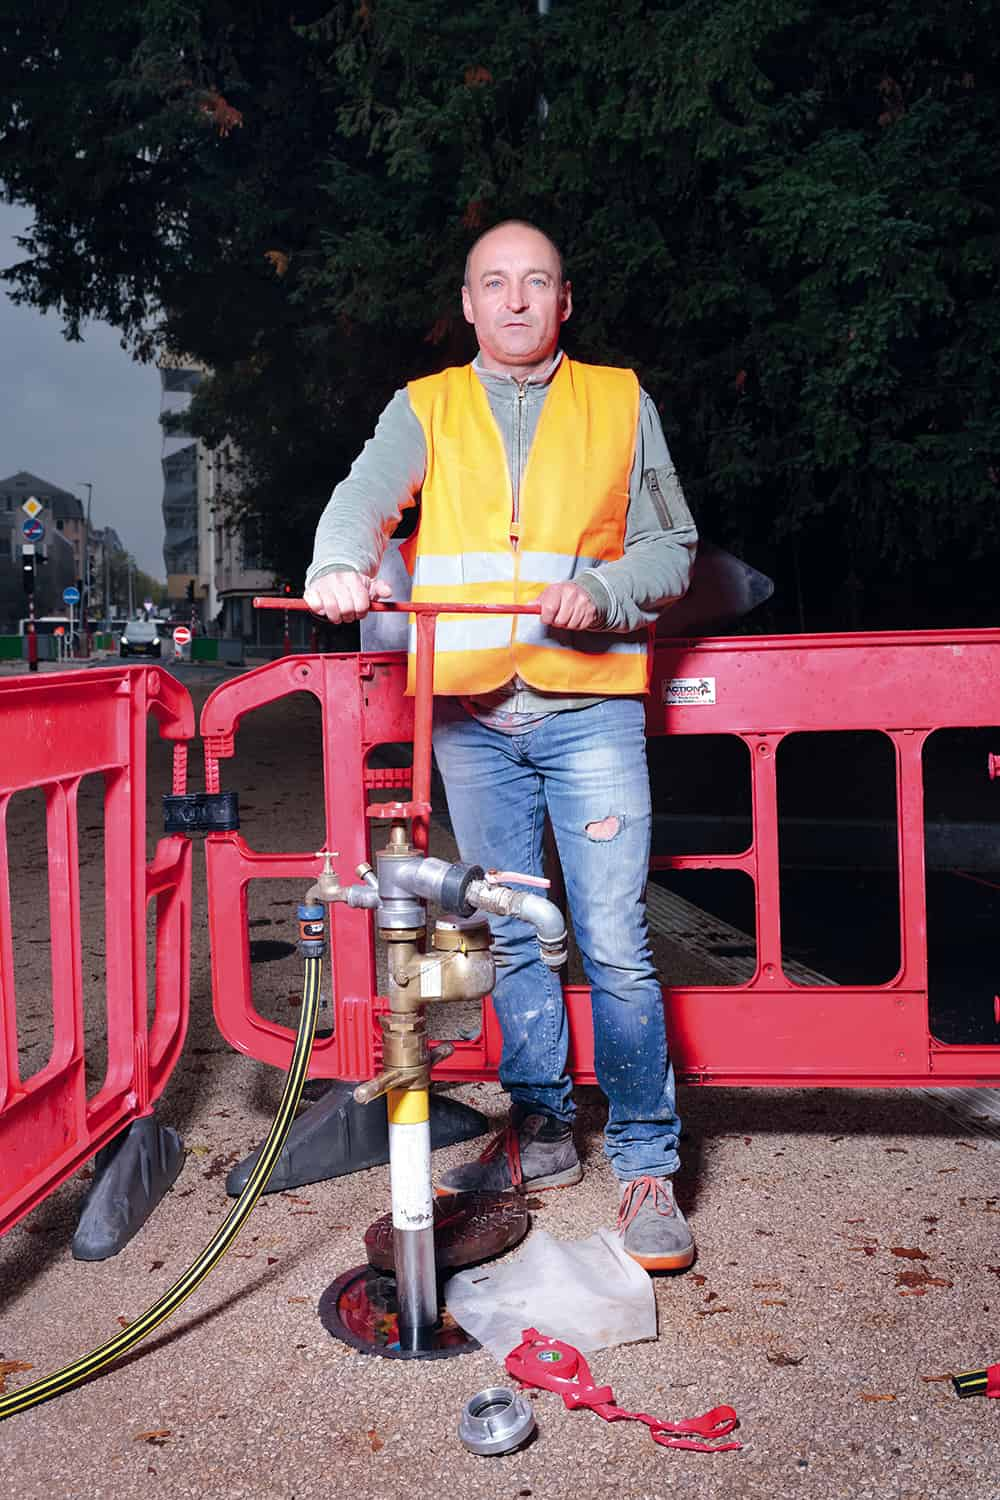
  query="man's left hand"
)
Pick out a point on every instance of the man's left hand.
point(569, 607)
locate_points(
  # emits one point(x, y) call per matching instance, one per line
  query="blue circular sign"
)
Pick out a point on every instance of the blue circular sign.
point(71, 595)
point(33, 530)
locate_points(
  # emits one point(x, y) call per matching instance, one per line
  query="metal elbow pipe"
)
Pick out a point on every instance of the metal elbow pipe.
point(543, 915)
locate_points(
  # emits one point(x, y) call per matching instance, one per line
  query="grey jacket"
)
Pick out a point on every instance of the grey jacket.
point(385, 480)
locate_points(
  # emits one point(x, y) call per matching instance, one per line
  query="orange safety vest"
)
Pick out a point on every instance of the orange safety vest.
point(573, 505)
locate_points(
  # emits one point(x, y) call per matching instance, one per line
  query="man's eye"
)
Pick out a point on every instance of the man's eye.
point(493, 284)
point(539, 281)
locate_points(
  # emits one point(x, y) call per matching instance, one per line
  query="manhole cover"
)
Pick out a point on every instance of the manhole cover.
point(468, 1227)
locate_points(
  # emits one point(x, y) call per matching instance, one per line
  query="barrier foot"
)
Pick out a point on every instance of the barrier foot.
point(131, 1175)
point(336, 1135)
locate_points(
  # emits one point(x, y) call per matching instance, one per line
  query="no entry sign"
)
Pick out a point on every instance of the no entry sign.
point(182, 635)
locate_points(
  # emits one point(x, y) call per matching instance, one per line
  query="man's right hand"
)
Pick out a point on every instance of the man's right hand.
point(343, 597)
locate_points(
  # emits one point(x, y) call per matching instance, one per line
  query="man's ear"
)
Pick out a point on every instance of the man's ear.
point(565, 301)
point(467, 305)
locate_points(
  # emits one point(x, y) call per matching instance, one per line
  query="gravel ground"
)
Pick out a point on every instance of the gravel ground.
point(848, 1263)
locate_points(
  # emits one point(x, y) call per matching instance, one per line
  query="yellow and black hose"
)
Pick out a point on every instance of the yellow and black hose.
point(99, 1359)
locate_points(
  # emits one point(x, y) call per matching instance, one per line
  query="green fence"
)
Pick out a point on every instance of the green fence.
point(11, 647)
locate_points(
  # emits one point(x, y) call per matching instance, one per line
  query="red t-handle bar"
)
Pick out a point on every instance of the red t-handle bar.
point(423, 689)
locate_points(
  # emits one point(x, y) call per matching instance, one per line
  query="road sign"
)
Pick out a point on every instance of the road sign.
point(32, 507)
point(182, 635)
point(59, 630)
point(71, 595)
point(33, 530)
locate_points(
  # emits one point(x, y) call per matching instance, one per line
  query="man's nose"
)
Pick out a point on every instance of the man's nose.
point(517, 298)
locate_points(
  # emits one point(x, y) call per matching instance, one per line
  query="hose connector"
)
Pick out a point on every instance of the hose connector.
point(312, 930)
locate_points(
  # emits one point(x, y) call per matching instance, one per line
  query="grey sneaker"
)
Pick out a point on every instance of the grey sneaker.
point(653, 1229)
point(536, 1153)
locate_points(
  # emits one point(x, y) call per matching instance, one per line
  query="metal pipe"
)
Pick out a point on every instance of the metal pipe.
point(412, 1214)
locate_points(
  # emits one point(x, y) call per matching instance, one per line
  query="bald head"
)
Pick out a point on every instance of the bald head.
point(506, 224)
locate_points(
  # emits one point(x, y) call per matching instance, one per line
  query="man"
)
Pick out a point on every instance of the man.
point(541, 479)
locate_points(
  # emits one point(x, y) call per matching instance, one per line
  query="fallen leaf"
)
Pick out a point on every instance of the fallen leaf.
point(298, 1299)
point(780, 1357)
point(994, 1270)
point(767, 1286)
point(375, 1441)
point(920, 1279)
point(876, 1396)
point(934, 1379)
point(11, 1367)
point(199, 1150)
point(706, 1312)
point(157, 1265)
point(908, 1254)
point(291, 1198)
point(125, 1322)
point(711, 1296)
point(700, 1280)
point(156, 1438)
point(865, 1249)
point(968, 1145)
point(773, 1302)
point(942, 1170)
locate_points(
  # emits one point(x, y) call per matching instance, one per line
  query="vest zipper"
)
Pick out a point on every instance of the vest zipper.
point(515, 529)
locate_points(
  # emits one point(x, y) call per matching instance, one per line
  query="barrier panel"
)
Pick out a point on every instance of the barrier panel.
point(768, 1030)
point(58, 729)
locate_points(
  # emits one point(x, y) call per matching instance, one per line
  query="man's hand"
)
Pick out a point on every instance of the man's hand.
point(569, 607)
point(343, 597)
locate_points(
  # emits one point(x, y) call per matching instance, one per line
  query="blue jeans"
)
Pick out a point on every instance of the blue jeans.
point(583, 767)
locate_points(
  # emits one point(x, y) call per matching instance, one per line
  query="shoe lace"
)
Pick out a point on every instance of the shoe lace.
point(636, 1194)
point(508, 1143)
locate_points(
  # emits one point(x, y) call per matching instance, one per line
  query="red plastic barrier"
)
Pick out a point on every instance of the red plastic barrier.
point(769, 1030)
point(58, 729)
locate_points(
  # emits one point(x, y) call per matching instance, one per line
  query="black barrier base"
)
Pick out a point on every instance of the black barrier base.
point(131, 1175)
point(336, 1135)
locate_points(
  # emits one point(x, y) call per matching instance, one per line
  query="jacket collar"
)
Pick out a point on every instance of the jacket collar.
point(495, 382)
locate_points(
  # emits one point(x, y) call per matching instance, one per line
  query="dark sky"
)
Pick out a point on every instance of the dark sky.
point(86, 411)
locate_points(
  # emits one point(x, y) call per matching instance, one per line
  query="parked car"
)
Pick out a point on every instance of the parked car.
point(140, 638)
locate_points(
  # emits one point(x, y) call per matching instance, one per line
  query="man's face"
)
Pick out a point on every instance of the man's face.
point(515, 299)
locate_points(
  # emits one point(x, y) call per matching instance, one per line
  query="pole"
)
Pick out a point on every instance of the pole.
point(85, 605)
point(131, 601)
point(32, 636)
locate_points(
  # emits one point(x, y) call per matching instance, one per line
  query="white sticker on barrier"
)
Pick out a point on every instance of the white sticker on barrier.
point(689, 690)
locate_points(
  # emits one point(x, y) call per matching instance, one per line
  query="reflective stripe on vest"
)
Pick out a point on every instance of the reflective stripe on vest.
point(573, 507)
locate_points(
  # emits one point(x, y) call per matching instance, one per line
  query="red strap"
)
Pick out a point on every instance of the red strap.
point(548, 1364)
point(993, 1380)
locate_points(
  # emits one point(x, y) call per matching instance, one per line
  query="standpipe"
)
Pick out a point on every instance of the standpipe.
point(458, 965)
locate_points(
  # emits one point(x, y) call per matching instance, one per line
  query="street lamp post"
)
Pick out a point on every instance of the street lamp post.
point(85, 606)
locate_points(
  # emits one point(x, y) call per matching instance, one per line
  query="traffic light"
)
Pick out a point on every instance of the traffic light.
point(287, 589)
point(190, 590)
point(28, 574)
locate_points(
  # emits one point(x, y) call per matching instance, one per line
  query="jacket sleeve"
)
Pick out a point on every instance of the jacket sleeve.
point(660, 538)
point(365, 507)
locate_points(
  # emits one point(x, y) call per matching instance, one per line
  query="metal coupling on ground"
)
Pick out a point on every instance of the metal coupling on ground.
point(496, 1420)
